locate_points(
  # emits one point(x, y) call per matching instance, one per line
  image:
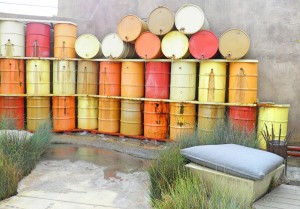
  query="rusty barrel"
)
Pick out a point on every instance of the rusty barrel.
point(131, 121)
point(63, 110)
point(110, 78)
point(147, 46)
point(87, 77)
point(243, 119)
point(182, 120)
point(38, 112)
point(12, 78)
point(87, 113)
point(109, 115)
point(65, 35)
point(132, 79)
point(243, 82)
point(12, 109)
point(156, 115)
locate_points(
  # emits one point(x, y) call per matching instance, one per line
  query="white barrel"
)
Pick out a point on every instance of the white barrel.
point(64, 75)
point(88, 46)
point(87, 113)
point(12, 39)
point(183, 81)
point(175, 45)
point(114, 48)
point(190, 19)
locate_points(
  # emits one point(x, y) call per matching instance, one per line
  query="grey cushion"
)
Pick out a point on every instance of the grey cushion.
point(234, 159)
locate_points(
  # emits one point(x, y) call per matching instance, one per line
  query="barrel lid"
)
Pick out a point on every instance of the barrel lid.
point(147, 46)
point(112, 46)
point(130, 27)
point(87, 46)
point(203, 44)
point(175, 45)
point(161, 20)
point(189, 19)
point(234, 44)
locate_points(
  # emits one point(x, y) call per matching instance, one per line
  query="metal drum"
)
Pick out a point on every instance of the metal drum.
point(109, 115)
point(132, 79)
point(161, 21)
point(175, 45)
point(12, 109)
point(87, 77)
point(64, 40)
point(147, 46)
point(243, 119)
point(131, 121)
point(110, 78)
point(64, 74)
point(87, 46)
point(38, 112)
point(87, 113)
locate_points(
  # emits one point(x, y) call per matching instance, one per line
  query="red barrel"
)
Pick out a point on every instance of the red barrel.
point(110, 78)
point(147, 46)
point(203, 44)
point(12, 109)
point(243, 118)
point(37, 40)
point(157, 81)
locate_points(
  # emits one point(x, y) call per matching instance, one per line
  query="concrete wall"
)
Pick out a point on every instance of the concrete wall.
point(272, 25)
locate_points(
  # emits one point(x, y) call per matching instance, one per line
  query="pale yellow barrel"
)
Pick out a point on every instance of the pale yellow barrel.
point(64, 74)
point(183, 81)
point(182, 120)
point(175, 45)
point(87, 46)
point(275, 116)
point(131, 122)
point(87, 77)
point(38, 77)
point(109, 115)
point(210, 117)
point(87, 113)
point(12, 38)
point(212, 82)
point(38, 112)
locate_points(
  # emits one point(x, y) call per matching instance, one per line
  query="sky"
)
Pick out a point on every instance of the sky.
point(30, 7)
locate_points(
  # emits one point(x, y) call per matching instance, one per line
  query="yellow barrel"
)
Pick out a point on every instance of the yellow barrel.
point(109, 115)
point(175, 45)
point(38, 112)
point(64, 73)
point(132, 79)
point(87, 46)
point(212, 82)
point(87, 77)
point(64, 40)
point(183, 81)
point(276, 115)
point(87, 113)
point(209, 118)
point(234, 44)
point(131, 122)
point(182, 120)
point(12, 38)
point(38, 77)
point(243, 82)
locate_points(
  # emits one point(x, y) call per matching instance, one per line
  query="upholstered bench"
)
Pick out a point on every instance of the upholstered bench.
point(246, 171)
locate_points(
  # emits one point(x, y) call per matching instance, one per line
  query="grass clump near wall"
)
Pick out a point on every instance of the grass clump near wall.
point(172, 185)
point(19, 154)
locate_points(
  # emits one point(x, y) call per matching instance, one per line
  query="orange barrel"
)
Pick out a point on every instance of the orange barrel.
point(132, 79)
point(130, 27)
point(161, 21)
point(37, 40)
point(12, 38)
point(131, 121)
point(210, 118)
point(38, 77)
point(212, 82)
point(109, 115)
point(156, 115)
point(110, 78)
point(12, 79)
point(204, 45)
point(183, 81)
point(275, 116)
point(234, 44)
point(63, 110)
point(243, 119)
point(157, 80)
point(182, 120)
point(12, 109)
point(242, 82)
point(87, 113)
point(175, 45)
point(190, 19)
point(64, 74)
point(64, 40)
point(114, 48)
point(147, 46)
point(38, 112)
point(87, 46)
point(87, 77)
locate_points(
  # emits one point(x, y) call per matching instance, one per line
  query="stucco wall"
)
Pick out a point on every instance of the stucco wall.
point(273, 26)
